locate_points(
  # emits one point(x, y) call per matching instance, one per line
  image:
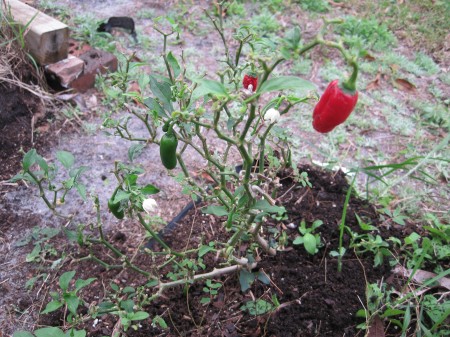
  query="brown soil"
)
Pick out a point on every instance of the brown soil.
point(17, 108)
point(316, 299)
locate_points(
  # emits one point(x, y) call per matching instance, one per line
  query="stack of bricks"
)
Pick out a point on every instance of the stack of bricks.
point(79, 70)
point(47, 40)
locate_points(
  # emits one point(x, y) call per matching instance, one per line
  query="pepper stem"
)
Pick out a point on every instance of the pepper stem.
point(350, 84)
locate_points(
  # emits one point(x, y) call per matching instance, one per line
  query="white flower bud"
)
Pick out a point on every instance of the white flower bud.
point(149, 205)
point(272, 115)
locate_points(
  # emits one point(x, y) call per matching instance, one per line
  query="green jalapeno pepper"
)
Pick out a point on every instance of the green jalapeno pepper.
point(168, 149)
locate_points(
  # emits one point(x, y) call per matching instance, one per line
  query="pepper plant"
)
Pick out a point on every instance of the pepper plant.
point(240, 107)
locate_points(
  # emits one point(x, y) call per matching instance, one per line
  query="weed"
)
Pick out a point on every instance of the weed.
point(308, 239)
point(427, 64)
point(265, 22)
point(366, 34)
point(260, 306)
point(236, 8)
point(68, 296)
point(434, 114)
point(316, 6)
point(58, 10)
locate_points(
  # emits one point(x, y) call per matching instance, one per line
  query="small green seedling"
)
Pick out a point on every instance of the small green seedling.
point(308, 239)
point(67, 297)
point(211, 288)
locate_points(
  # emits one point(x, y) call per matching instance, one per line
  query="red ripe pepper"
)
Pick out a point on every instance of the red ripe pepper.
point(334, 107)
point(250, 79)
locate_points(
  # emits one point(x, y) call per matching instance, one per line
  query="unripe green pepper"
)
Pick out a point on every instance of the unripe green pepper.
point(168, 150)
point(115, 208)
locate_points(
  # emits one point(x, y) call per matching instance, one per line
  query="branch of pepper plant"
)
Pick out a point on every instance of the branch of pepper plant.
point(214, 273)
point(50, 205)
point(205, 154)
point(261, 241)
point(219, 28)
point(144, 120)
point(164, 53)
point(108, 245)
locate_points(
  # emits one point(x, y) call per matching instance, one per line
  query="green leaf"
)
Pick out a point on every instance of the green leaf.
point(29, 159)
point(246, 279)
point(174, 64)
point(286, 82)
point(19, 176)
point(151, 283)
point(361, 313)
point(65, 279)
point(52, 306)
point(149, 189)
point(205, 300)
point(127, 305)
point(207, 87)
point(204, 250)
point(411, 238)
point(22, 334)
point(49, 332)
point(79, 284)
point(392, 312)
point(77, 172)
point(105, 306)
point(215, 210)
point(298, 240)
point(160, 321)
point(81, 189)
point(265, 206)
point(121, 195)
point(138, 316)
point(75, 333)
point(114, 287)
point(135, 150)
point(263, 278)
point(72, 302)
point(42, 163)
point(66, 158)
point(162, 91)
point(34, 253)
point(257, 307)
point(131, 179)
point(128, 290)
point(153, 105)
point(309, 241)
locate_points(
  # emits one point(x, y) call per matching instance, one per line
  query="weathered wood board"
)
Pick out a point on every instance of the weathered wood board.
point(45, 37)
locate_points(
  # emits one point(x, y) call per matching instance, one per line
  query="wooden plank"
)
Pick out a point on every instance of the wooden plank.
point(46, 38)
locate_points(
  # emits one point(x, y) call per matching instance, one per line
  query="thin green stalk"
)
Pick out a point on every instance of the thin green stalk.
point(342, 224)
point(262, 148)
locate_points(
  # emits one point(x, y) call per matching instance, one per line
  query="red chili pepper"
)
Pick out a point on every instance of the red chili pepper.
point(334, 107)
point(250, 79)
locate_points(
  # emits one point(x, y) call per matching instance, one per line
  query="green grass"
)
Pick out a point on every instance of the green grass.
point(315, 6)
point(425, 23)
point(363, 33)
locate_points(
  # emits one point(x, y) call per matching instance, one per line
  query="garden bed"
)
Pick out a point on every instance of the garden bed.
point(314, 298)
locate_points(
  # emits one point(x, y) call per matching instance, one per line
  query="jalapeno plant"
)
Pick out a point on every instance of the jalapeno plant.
point(240, 106)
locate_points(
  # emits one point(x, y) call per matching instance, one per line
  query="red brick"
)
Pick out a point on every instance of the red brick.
point(66, 71)
point(95, 62)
